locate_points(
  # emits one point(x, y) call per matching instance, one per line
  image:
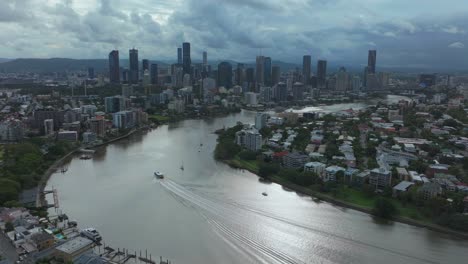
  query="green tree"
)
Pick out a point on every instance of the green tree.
point(266, 170)
point(9, 227)
point(384, 208)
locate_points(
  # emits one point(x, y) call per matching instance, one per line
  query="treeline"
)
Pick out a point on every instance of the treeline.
point(24, 164)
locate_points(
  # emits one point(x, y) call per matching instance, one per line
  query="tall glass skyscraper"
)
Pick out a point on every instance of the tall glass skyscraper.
point(179, 56)
point(371, 61)
point(114, 67)
point(225, 74)
point(154, 73)
point(267, 71)
point(321, 73)
point(306, 69)
point(186, 61)
point(134, 74)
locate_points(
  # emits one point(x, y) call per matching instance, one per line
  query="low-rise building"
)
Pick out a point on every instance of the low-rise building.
point(331, 173)
point(68, 136)
point(295, 160)
point(315, 167)
point(251, 139)
point(402, 187)
point(380, 178)
point(430, 190)
point(42, 240)
point(73, 248)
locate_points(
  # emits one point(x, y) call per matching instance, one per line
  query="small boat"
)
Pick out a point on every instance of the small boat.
point(264, 194)
point(201, 144)
point(182, 167)
point(85, 157)
point(159, 175)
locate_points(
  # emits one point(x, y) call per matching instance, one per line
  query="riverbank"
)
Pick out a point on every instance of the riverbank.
point(40, 199)
point(333, 200)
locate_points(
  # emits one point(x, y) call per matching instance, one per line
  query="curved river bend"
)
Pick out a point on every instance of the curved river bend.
point(211, 213)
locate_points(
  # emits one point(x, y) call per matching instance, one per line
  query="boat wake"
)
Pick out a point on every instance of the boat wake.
point(260, 235)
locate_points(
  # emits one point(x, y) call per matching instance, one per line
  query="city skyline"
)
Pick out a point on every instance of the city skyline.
point(420, 38)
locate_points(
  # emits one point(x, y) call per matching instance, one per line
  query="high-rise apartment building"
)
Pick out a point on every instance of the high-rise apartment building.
point(306, 69)
point(267, 71)
point(134, 67)
point(371, 61)
point(225, 75)
point(321, 74)
point(259, 70)
point(114, 67)
point(186, 61)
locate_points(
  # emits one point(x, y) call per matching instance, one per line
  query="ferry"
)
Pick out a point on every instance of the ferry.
point(92, 234)
point(159, 175)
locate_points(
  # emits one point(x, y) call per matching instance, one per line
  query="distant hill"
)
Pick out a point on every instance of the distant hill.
point(4, 60)
point(52, 65)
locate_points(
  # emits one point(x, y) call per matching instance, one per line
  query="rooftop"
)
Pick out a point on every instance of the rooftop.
point(403, 186)
point(74, 245)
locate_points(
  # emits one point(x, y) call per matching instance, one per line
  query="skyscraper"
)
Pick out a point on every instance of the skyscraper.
point(134, 76)
point(371, 61)
point(298, 91)
point(145, 65)
point(186, 61)
point(321, 73)
point(91, 73)
point(249, 79)
point(259, 71)
point(239, 74)
point(275, 75)
point(306, 69)
point(179, 56)
point(267, 71)
point(154, 73)
point(205, 58)
point(114, 67)
point(342, 80)
point(225, 75)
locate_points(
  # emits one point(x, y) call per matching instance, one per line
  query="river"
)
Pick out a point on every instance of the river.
point(211, 213)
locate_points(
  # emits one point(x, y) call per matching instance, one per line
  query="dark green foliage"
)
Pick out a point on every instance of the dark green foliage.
point(9, 227)
point(266, 170)
point(384, 208)
point(226, 147)
point(457, 221)
point(248, 155)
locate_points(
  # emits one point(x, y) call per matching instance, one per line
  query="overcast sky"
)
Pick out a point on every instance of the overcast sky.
point(417, 33)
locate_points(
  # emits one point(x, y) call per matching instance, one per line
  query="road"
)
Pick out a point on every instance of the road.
point(7, 250)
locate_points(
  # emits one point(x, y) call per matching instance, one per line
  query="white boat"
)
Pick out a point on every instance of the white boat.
point(159, 175)
point(92, 234)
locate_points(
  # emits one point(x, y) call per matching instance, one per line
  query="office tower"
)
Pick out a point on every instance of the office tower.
point(179, 56)
point(306, 69)
point(298, 91)
point(384, 79)
point(154, 73)
point(134, 75)
point(372, 82)
point(371, 60)
point(356, 83)
point(114, 67)
point(321, 73)
point(260, 71)
point(427, 80)
point(275, 75)
point(145, 65)
point(342, 80)
point(205, 58)
point(186, 61)
point(225, 75)
point(249, 79)
point(364, 77)
point(125, 74)
point(91, 73)
point(267, 71)
point(239, 74)
point(281, 92)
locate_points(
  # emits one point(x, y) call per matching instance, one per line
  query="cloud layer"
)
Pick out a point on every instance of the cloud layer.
point(404, 33)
